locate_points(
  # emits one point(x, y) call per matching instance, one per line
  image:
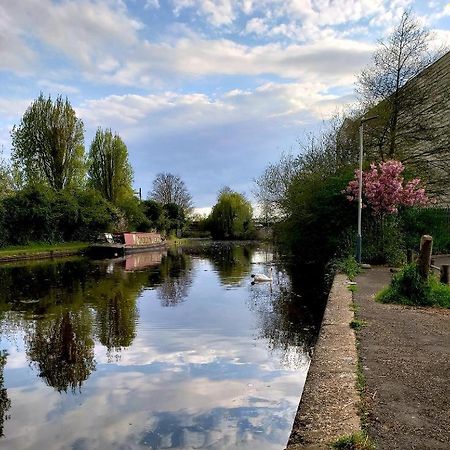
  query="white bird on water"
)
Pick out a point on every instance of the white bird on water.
point(262, 276)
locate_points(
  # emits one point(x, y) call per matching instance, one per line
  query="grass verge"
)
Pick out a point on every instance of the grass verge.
point(36, 248)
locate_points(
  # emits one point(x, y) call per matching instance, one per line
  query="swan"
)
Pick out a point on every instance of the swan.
point(262, 276)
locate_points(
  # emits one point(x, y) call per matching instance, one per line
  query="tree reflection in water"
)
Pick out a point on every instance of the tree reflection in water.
point(62, 307)
point(5, 402)
point(231, 260)
point(174, 278)
point(62, 349)
point(285, 316)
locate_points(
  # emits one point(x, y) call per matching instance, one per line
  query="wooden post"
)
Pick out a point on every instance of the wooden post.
point(426, 248)
point(409, 256)
point(445, 274)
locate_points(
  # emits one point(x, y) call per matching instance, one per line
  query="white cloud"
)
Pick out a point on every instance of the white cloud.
point(149, 4)
point(169, 112)
point(218, 12)
point(332, 60)
point(256, 25)
point(107, 47)
point(82, 30)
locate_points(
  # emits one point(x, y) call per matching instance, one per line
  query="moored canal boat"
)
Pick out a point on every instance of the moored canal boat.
point(120, 244)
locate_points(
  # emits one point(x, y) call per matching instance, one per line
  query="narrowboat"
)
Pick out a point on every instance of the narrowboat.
point(120, 244)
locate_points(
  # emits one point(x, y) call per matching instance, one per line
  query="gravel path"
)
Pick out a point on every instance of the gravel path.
point(406, 363)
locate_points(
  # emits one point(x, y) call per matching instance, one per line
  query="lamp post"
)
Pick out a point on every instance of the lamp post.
point(361, 154)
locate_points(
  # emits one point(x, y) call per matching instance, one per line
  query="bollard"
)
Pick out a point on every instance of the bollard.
point(445, 274)
point(424, 261)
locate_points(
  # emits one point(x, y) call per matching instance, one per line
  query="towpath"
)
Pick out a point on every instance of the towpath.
point(405, 354)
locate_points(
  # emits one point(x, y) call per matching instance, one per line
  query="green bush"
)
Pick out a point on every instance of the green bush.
point(40, 214)
point(134, 214)
point(28, 216)
point(95, 215)
point(408, 288)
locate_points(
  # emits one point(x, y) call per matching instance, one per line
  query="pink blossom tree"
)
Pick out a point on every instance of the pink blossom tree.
point(385, 190)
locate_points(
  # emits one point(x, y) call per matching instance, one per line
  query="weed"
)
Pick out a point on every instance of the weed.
point(355, 441)
point(349, 266)
point(352, 288)
point(357, 324)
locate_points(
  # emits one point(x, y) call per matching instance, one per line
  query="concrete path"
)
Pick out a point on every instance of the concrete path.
point(405, 355)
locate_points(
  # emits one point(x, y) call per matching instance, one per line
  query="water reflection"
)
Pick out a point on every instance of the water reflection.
point(174, 278)
point(62, 349)
point(232, 261)
point(5, 402)
point(221, 368)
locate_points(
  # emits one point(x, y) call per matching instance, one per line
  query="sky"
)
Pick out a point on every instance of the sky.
point(210, 90)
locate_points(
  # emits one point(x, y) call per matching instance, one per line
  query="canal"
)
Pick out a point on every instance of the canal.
point(159, 350)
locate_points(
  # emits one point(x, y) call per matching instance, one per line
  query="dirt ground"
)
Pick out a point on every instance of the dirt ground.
point(405, 354)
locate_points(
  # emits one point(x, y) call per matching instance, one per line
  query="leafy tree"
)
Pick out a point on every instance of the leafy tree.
point(109, 169)
point(176, 217)
point(169, 188)
point(231, 216)
point(48, 145)
point(155, 213)
point(319, 218)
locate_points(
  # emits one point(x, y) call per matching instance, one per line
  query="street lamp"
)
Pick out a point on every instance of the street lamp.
point(361, 149)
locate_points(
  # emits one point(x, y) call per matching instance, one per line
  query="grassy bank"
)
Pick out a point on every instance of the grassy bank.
point(38, 249)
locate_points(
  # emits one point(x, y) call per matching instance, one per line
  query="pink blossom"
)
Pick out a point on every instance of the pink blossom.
point(384, 189)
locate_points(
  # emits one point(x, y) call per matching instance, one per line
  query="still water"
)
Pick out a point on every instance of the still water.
point(159, 350)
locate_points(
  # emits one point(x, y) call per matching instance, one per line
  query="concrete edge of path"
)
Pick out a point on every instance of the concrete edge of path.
point(329, 405)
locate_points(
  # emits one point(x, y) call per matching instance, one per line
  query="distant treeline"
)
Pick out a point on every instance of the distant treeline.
point(52, 191)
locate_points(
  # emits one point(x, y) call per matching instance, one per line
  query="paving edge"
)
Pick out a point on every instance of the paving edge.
point(328, 408)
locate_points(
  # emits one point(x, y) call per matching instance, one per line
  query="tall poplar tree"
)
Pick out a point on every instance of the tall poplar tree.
point(109, 169)
point(48, 144)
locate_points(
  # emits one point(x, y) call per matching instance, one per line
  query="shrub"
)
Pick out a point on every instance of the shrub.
point(134, 214)
point(28, 216)
point(409, 288)
point(320, 217)
point(96, 215)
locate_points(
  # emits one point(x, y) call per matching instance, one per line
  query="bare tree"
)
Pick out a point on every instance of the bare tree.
point(321, 154)
point(169, 188)
point(397, 88)
point(272, 185)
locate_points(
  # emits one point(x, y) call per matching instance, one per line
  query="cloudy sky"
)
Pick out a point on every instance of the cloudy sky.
point(212, 90)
